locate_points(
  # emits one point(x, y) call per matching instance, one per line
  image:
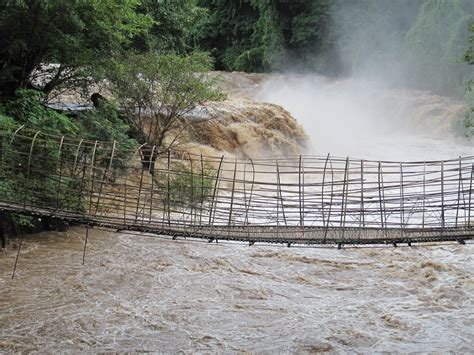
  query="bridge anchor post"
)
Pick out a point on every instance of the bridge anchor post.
point(85, 245)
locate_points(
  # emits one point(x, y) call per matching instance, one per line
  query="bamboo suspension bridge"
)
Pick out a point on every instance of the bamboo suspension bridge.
point(288, 200)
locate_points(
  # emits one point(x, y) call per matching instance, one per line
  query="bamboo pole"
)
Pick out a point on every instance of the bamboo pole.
point(232, 195)
point(212, 210)
point(330, 202)
point(168, 188)
point(93, 178)
point(424, 196)
point(470, 198)
point(322, 188)
point(280, 195)
point(60, 163)
point(151, 171)
point(28, 169)
point(402, 198)
point(362, 207)
point(380, 188)
point(104, 176)
point(345, 193)
point(459, 193)
point(442, 195)
point(300, 195)
point(202, 192)
point(192, 221)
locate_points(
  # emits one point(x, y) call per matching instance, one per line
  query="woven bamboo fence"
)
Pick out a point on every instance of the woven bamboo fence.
point(292, 200)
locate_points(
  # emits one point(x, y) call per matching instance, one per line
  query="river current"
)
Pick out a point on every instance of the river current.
point(143, 293)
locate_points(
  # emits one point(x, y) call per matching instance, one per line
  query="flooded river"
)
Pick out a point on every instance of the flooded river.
point(142, 293)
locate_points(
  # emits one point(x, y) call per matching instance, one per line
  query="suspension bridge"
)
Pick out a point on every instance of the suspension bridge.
point(287, 200)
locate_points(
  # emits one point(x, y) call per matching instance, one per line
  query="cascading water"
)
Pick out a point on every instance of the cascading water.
point(363, 119)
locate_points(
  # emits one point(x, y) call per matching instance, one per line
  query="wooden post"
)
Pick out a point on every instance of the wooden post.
point(85, 245)
point(17, 256)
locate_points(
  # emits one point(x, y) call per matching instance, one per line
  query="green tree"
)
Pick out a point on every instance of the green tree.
point(156, 92)
point(227, 32)
point(78, 35)
point(174, 26)
point(437, 42)
point(262, 35)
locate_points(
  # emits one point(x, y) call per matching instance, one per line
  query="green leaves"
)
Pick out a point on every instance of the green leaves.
point(28, 109)
point(156, 91)
point(77, 34)
point(259, 35)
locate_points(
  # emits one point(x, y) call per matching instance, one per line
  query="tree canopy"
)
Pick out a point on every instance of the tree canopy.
point(77, 34)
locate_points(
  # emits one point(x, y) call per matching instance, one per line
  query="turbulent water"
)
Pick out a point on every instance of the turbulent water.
point(138, 293)
point(141, 293)
point(364, 119)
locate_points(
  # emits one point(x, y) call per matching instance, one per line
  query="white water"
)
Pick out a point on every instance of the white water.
point(363, 119)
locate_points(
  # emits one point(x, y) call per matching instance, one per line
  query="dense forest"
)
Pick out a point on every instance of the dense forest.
point(425, 40)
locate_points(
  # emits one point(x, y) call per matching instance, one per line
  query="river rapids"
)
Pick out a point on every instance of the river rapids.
point(144, 293)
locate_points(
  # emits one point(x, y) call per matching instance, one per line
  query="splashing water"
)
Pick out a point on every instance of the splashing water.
point(366, 119)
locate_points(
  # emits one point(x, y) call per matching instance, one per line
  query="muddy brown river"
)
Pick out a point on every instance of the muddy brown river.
point(148, 294)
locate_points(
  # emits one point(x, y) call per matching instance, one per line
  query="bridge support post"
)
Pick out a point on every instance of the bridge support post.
point(85, 245)
point(17, 256)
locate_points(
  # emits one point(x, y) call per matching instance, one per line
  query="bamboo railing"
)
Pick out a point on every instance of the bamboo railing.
point(301, 199)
